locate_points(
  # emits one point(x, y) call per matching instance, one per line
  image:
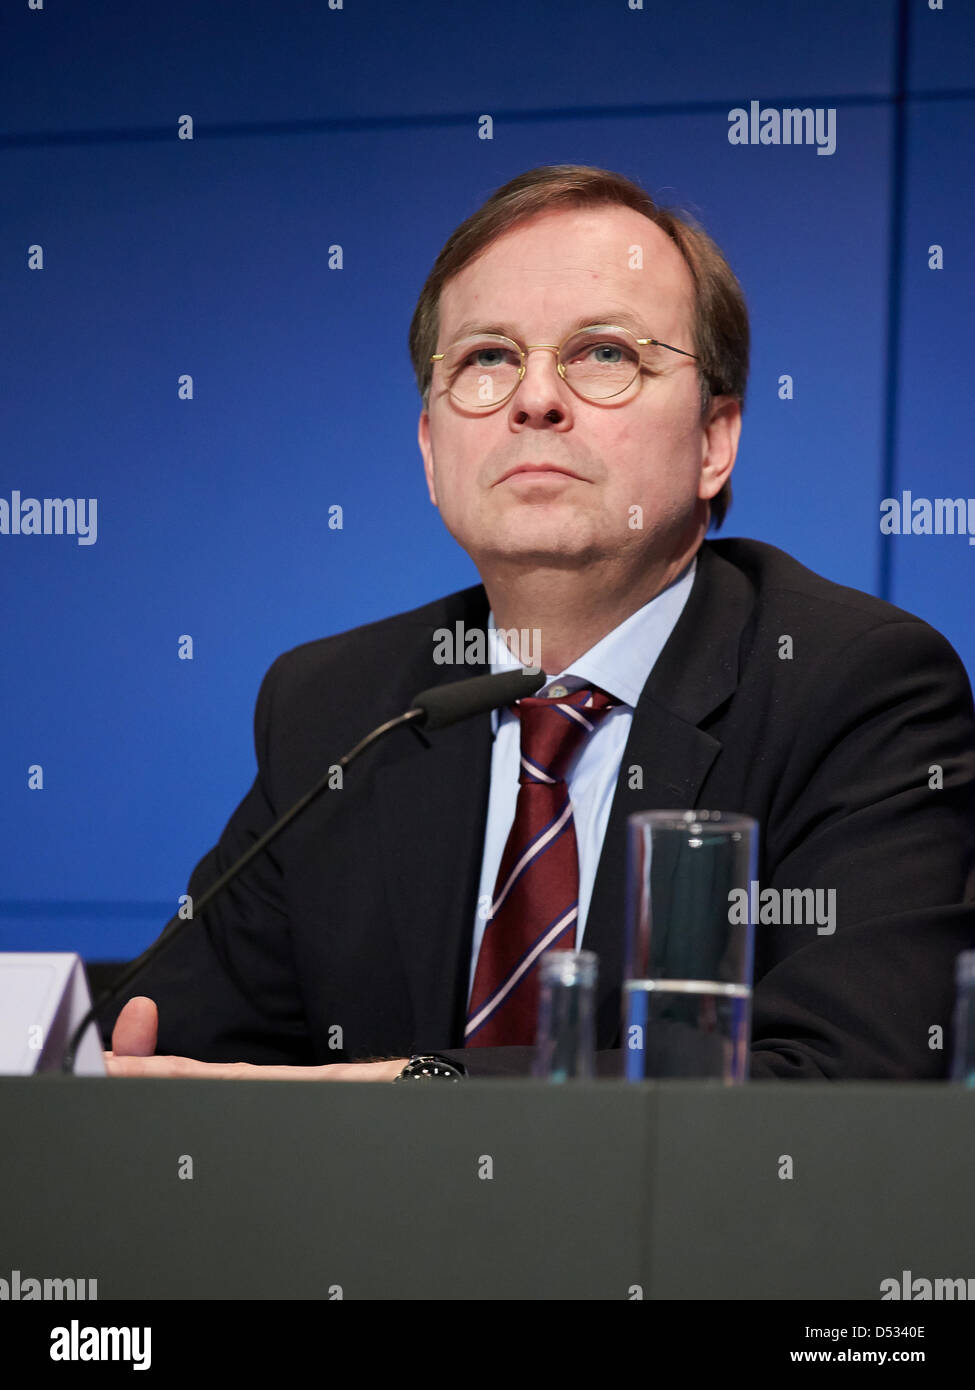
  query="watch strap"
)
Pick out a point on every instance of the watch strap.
point(431, 1066)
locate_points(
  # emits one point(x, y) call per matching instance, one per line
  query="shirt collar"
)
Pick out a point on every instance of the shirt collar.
point(620, 662)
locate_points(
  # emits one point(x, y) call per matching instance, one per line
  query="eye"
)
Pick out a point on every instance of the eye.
point(610, 353)
point(480, 356)
point(486, 357)
point(600, 350)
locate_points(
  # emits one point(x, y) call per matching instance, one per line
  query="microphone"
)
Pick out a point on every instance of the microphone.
point(447, 704)
point(436, 708)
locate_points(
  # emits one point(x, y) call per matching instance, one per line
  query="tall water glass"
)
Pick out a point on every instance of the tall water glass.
point(690, 939)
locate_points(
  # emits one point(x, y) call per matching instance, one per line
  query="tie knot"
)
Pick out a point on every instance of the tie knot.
point(552, 731)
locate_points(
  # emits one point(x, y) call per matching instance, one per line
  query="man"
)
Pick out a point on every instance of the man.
point(583, 358)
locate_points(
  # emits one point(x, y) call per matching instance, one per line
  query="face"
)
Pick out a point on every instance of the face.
point(622, 480)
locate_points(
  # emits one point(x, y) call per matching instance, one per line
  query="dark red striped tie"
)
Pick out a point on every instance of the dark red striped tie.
point(536, 897)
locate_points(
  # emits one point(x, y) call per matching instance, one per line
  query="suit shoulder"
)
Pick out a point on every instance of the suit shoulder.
point(372, 651)
point(785, 588)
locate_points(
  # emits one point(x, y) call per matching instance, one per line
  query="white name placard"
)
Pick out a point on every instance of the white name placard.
point(43, 998)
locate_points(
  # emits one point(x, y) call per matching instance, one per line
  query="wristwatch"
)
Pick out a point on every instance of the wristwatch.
point(431, 1064)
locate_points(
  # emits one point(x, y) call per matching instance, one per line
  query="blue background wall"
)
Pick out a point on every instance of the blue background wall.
point(359, 126)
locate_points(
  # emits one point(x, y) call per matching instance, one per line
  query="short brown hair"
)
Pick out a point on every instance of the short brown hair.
point(720, 319)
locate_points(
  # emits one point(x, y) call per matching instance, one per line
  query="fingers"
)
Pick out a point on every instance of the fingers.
point(136, 1029)
point(188, 1068)
point(181, 1067)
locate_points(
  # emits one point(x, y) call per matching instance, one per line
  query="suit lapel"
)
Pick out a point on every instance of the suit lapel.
point(431, 808)
point(667, 755)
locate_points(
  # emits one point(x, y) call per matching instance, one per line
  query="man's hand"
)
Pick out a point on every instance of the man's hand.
point(134, 1045)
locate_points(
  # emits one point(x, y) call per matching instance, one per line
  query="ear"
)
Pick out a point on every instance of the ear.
point(423, 439)
point(719, 445)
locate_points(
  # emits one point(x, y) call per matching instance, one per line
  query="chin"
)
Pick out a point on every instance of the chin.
point(537, 552)
point(535, 535)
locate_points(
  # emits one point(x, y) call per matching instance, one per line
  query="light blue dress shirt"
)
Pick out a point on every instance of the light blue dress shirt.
point(619, 664)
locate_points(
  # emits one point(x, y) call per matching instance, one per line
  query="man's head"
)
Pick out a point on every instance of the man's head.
point(644, 470)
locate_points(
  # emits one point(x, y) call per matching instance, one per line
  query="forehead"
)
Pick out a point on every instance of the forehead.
point(599, 263)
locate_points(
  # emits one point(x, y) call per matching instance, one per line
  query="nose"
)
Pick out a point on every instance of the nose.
point(541, 393)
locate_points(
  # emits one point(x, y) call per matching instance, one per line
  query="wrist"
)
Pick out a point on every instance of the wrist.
point(393, 1067)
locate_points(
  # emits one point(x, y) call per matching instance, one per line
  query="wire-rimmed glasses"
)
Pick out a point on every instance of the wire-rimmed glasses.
point(598, 363)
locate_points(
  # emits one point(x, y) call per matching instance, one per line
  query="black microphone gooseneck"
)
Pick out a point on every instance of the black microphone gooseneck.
point(432, 709)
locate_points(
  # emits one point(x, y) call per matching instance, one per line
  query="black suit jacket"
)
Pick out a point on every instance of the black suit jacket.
point(350, 939)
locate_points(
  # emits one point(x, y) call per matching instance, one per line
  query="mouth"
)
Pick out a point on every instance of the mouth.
point(535, 469)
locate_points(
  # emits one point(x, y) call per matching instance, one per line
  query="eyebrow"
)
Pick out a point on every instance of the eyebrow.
point(622, 317)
